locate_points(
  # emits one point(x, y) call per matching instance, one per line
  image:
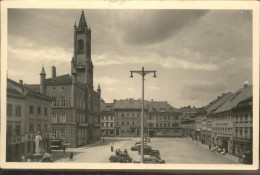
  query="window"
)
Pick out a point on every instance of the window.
point(45, 111)
point(17, 130)
point(63, 134)
point(63, 118)
point(111, 124)
point(122, 115)
point(246, 117)
point(63, 102)
point(39, 110)
point(38, 127)
point(31, 128)
point(9, 130)
point(164, 124)
point(62, 89)
point(54, 88)
point(122, 123)
point(54, 118)
point(9, 110)
point(31, 110)
point(127, 122)
point(17, 110)
point(246, 132)
point(133, 123)
point(54, 134)
point(240, 132)
point(80, 45)
point(54, 103)
point(45, 127)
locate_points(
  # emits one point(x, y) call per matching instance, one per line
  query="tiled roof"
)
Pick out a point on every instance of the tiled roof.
point(160, 106)
point(62, 78)
point(218, 102)
point(35, 87)
point(238, 96)
point(129, 104)
point(14, 91)
point(189, 109)
point(106, 107)
point(22, 88)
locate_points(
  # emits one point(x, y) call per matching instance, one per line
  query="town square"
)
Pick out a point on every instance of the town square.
point(130, 86)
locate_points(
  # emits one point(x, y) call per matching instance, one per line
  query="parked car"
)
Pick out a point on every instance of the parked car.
point(148, 151)
point(56, 144)
point(122, 157)
point(138, 147)
point(151, 160)
point(139, 143)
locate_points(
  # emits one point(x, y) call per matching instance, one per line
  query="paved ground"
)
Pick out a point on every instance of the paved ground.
point(172, 150)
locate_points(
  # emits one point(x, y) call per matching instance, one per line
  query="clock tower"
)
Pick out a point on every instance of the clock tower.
point(81, 62)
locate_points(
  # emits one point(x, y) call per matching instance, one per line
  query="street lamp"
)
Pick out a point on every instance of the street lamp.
point(142, 73)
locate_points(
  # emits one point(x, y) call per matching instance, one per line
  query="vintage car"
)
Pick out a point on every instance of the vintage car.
point(151, 160)
point(150, 151)
point(138, 147)
point(139, 143)
point(56, 144)
point(122, 157)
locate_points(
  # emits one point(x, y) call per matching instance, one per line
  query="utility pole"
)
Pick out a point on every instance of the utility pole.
point(142, 73)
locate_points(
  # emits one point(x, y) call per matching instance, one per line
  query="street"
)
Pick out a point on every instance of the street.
point(172, 150)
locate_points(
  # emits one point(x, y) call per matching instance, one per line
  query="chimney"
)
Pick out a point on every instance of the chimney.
point(53, 71)
point(246, 84)
point(20, 81)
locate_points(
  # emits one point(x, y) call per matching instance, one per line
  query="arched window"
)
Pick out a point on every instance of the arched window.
point(80, 45)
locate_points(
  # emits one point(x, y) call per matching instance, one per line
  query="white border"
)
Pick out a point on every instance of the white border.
point(253, 5)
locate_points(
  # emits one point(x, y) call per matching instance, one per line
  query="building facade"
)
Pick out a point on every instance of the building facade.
point(223, 119)
point(107, 120)
point(243, 133)
point(28, 113)
point(76, 105)
point(163, 120)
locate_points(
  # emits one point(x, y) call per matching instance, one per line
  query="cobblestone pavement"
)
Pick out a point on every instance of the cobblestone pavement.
point(172, 150)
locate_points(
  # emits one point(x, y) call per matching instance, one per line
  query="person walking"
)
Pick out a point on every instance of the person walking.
point(209, 146)
point(71, 156)
point(112, 147)
point(64, 148)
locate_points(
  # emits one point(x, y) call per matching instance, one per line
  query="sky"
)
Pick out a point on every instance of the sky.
point(198, 54)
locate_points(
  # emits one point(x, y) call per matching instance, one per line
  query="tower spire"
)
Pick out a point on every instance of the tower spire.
point(82, 22)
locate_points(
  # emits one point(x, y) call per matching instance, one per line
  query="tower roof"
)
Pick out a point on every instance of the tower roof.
point(43, 71)
point(82, 22)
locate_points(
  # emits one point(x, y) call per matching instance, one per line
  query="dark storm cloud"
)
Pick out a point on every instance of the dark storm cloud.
point(149, 27)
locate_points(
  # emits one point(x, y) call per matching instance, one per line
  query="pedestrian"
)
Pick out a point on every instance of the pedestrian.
point(64, 148)
point(23, 158)
point(116, 152)
point(125, 151)
point(112, 147)
point(103, 140)
point(71, 155)
point(209, 146)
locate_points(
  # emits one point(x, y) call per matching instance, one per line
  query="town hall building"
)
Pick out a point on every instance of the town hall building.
point(76, 105)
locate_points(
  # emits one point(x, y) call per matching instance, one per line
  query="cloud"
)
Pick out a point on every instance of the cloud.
point(178, 63)
point(153, 87)
point(107, 81)
point(144, 27)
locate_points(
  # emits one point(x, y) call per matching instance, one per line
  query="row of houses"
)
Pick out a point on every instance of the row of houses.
point(123, 118)
point(64, 107)
point(226, 122)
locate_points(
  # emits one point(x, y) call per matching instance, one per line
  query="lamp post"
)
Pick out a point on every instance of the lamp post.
point(142, 73)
